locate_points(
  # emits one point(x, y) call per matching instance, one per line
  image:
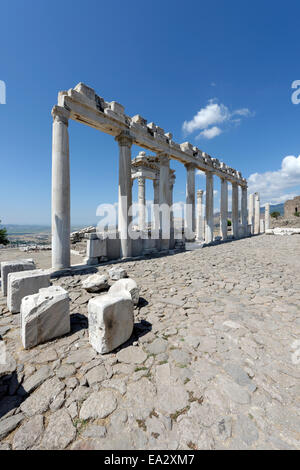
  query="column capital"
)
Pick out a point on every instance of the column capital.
point(125, 139)
point(200, 192)
point(209, 173)
point(164, 158)
point(60, 114)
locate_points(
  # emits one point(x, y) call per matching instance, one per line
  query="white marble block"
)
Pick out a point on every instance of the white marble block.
point(24, 283)
point(13, 267)
point(110, 321)
point(117, 273)
point(128, 286)
point(95, 283)
point(44, 316)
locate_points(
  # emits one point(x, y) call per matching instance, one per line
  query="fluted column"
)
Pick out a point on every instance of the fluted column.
point(60, 189)
point(256, 214)
point(244, 209)
point(171, 186)
point(224, 209)
point(251, 212)
point(125, 192)
point(235, 210)
point(156, 204)
point(200, 216)
point(267, 216)
point(164, 191)
point(209, 208)
point(142, 203)
point(190, 202)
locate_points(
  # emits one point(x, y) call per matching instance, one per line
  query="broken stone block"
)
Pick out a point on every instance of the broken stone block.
point(44, 316)
point(110, 321)
point(95, 283)
point(117, 273)
point(21, 284)
point(128, 286)
point(13, 267)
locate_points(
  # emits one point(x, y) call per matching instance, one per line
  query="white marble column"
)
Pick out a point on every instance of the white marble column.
point(209, 208)
point(224, 209)
point(251, 212)
point(190, 202)
point(244, 210)
point(171, 186)
point(235, 210)
point(164, 192)
point(256, 214)
point(267, 216)
point(125, 192)
point(200, 216)
point(156, 204)
point(142, 203)
point(60, 189)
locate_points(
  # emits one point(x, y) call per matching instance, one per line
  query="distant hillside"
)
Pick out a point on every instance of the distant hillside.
point(276, 208)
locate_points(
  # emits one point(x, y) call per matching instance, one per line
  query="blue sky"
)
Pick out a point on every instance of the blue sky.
point(232, 61)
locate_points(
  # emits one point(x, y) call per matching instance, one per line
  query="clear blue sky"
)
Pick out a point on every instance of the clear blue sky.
point(164, 60)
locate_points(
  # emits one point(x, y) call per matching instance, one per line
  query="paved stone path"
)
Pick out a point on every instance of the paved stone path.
point(213, 362)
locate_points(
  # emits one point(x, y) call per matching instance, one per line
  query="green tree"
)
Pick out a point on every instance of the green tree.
point(3, 236)
point(275, 214)
point(228, 223)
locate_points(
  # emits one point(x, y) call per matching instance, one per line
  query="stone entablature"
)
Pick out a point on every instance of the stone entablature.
point(84, 105)
point(291, 207)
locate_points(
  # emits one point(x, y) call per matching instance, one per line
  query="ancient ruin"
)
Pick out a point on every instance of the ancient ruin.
point(292, 208)
point(137, 349)
point(82, 104)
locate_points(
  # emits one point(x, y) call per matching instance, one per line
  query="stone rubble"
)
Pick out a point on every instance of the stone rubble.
point(212, 362)
point(127, 285)
point(12, 267)
point(44, 316)
point(95, 283)
point(110, 321)
point(117, 273)
point(22, 284)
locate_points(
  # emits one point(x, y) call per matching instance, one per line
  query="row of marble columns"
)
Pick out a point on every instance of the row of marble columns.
point(163, 195)
point(204, 223)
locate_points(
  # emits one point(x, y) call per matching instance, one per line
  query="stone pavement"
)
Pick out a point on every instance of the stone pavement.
point(213, 362)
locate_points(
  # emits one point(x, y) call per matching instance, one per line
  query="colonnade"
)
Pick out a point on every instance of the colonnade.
point(82, 104)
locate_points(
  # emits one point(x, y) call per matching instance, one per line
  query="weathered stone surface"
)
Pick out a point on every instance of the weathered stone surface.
point(35, 380)
point(96, 375)
point(127, 285)
point(39, 401)
point(12, 267)
point(44, 316)
point(117, 273)
point(246, 430)
point(132, 355)
point(95, 283)
point(94, 432)
point(59, 432)
point(21, 284)
point(98, 405)
point(110, 322)
point(9, 424)
point(29, 433)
